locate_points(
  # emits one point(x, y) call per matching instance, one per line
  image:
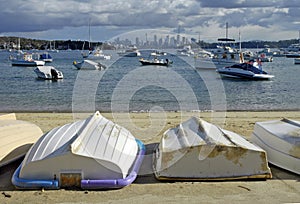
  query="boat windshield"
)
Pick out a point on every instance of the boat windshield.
point(248, 67)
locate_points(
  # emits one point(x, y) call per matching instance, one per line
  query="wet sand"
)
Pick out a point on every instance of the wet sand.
point(284, 187)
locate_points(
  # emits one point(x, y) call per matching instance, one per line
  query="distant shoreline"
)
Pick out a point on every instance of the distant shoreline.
point(144, 111)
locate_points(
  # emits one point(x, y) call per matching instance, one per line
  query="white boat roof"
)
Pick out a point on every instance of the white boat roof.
point(95, 137)
point(195, 132)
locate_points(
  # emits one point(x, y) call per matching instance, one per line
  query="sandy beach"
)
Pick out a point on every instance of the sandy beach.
point(284, 187)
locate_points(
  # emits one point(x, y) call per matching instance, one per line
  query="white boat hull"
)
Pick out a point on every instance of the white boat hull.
point(100, 57)
point(92, 153)
point(16, 138)
point(48, 72)
point(281, 140)
point(27, 63)
point(89, 65)
point(197, 150)
point(242, 74)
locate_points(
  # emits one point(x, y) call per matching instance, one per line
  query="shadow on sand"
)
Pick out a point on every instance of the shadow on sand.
point(146, 174)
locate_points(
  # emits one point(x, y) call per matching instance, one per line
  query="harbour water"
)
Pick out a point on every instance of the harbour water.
point(127, 86)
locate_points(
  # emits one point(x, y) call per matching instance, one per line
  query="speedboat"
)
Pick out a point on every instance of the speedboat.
point(198, 150)
point(93, 153)
point(244, 71)
point(26, 60)
point(156, 61)
point(89, 65)
point(281, 140)
point(48, 72)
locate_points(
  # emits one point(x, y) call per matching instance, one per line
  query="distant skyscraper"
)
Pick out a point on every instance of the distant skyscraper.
point(167, 39)
point(178, 40)
point(173, 42)
point(155, 40)
point(183, 40)
point(160, 42)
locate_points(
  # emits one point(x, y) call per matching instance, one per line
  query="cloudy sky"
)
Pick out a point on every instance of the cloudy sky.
point(69, 19)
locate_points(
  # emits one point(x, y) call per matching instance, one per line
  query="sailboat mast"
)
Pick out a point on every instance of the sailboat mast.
point(89, 33)
point(19, 44)
point(240, 41)
point(226, 30)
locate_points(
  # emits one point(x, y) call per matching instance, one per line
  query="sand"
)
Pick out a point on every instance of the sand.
point(284, 187)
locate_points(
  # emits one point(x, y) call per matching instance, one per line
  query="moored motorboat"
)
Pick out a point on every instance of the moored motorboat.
point(198, 150)
point(244, 71)
point(158, 53)
point(93, 153)
point(132, 51)
point(281, 140)
point(204, 60)
point(48, 72)
point(89, 64)
point(46, 57)
point(155, 61)
point(293, 55)
point(16, 138)
point(26, 60)
point(297, 60)
point(186, 51)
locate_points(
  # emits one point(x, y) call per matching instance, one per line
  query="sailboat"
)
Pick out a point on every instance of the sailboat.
point(96, 54)
point(225, 54)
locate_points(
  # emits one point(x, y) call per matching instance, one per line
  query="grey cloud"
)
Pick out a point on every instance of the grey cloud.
point(33, 15)
point(241, 3)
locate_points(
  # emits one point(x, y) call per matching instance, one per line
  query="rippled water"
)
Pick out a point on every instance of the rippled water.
point(128, 86)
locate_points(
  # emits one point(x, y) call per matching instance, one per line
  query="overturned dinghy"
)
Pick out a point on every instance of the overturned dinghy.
point(281, 140)
point(197, 150)
point(92, 154)
point(16, 138)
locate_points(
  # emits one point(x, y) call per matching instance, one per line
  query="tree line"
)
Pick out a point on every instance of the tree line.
point(27, 44)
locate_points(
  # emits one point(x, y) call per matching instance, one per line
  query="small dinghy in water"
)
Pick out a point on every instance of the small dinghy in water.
point(281, 140)
point(93, 153)
point(16, 138)
point(198, 150)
